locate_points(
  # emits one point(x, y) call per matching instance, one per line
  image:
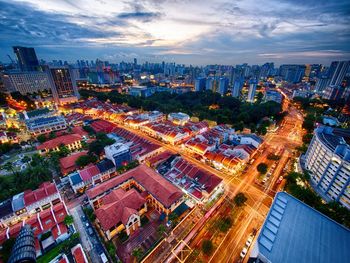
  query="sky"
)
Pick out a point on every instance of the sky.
point(196, 32)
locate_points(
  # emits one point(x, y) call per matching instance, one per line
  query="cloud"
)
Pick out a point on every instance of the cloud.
point(187, 31)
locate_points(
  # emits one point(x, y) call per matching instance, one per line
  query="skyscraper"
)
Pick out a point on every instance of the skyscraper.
point(64, 86)
point(26, 57)
point(223, 85)
point(337, 71)
point(199, 84)
point(252, 90)
point(237, 87)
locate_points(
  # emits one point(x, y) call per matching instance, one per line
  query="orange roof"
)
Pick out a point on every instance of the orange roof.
point(78, 254)
point(118, 206)
point(161, 189)
point(67, 164)
point(79, 130)
point(45, 189)
point(65, 139)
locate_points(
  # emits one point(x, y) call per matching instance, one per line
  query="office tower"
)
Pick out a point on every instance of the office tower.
point(337, 71)
point(333, 93)
point(223, 85)
point(328, 161)
point(135, 62)
point(321, 83)
point(64, 86)
point(292, 73)
point(199, 84)
point(252, 89)
point(26, 57)
point(237, 87)
point(26, 82)
point(210, 84)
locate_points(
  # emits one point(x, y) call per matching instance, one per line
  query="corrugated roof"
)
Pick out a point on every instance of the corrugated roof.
point(295, 232)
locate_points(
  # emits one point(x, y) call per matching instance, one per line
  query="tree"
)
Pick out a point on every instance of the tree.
point(262, 168)
point(240, 199)
point(63, 150)
point(68, 220)
point(207, 247)
point(161, 229)
point(7, 248)
point(85, 160)
point(224, 224)
point(26, 159)
point(9, 167)
point(137, 253)
point(259, 97)
point(41, 138)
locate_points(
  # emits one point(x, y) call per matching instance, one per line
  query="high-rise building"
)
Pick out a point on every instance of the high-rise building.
point(328, 161)
point(252, 89)
point(64, 86)
point(210, 84)
point(27, 60)
point(337, 71)
point(26, 82)
point(199, 84)
point(223, 85)
point(237, 87)
point(321, 83)
point(333, 92)
point(292, 73)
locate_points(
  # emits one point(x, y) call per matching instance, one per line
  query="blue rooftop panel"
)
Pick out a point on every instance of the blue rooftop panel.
point(75, 178)
point(303, 235)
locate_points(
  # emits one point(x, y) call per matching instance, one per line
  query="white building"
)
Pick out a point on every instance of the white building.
point(178, 118)
point(328, 160)
point(251, 139)
point(118, 153)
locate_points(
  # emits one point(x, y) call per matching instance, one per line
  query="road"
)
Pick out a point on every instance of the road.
point(283, 141)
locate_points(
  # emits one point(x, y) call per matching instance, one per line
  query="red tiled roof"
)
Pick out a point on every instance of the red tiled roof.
point(79, 130)
point(14, 230)
point(118, 206)
point(67, 164)
point(45, 189)
point(3, 236)
point(164, 191)
point(78, 254)
point(60, 212)
point(47, 219)
point(55, 233)
point(159, 158)
point(35, 224)
point(89, 172)
point(65, 139)
point(102, 126)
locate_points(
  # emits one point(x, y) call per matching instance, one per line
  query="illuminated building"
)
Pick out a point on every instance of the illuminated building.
point(26, 82)
point(252, 89)
point(328, 160)
point(45, 125)
point(223, 85)
point(199, 84)
point(118, 153)
point(64, 88)
point(337, 71)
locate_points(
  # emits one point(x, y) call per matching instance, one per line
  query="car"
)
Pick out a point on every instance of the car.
point(264, 180)
point(87, 224)
point(83, 218)
point(249, 241)
point(90, 231)
point(243, 252)
point(168, 224)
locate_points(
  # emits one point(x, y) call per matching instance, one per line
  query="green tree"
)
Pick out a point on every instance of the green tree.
point(7, 248)
point(262, 168)
point(207, 247)
point(41, 138)
point(68, 220)
point(26, 159)
point(85, 160)
point(137, 253)
point(63, 150)
point(10, 168)
point(240, 199)
point(161, 229)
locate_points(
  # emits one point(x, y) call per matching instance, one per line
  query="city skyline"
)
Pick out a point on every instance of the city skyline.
point(216, 33)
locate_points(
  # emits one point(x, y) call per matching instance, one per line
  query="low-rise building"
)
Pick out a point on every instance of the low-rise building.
point(45, 124)
point(251, 139)
point(178, 118)
point(157, 191)
point(71, 141)
point(118, 153)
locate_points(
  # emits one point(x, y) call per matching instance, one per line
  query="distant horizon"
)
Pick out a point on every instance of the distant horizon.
point(192, 32)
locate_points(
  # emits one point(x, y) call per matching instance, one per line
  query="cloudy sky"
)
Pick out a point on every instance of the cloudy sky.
point(194, 32)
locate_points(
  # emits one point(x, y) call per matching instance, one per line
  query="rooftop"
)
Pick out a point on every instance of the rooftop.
point(65, 139)
point(156, 185)
point(45, 189)
point(67, 164)
point(295, 232)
